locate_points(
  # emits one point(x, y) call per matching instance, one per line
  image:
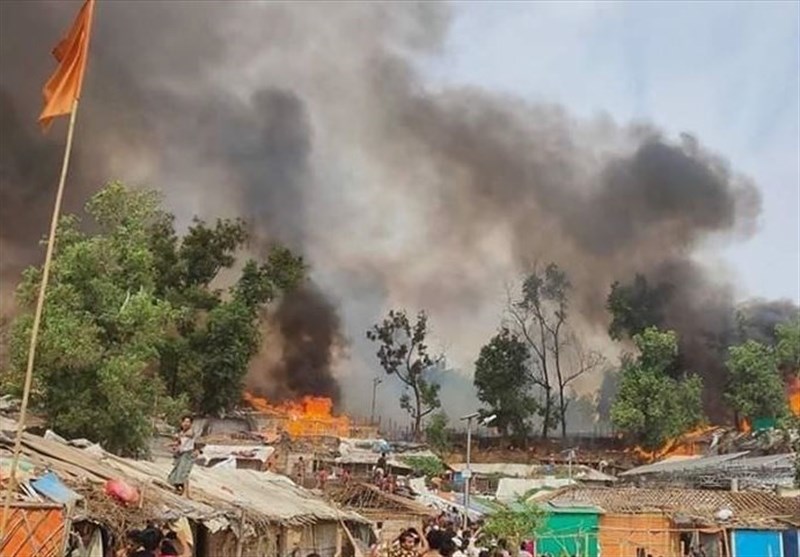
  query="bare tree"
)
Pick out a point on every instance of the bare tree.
point(580, 361)
point(540, 317)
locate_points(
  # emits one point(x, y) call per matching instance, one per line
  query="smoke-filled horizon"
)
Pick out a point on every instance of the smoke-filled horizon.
point(310, 121)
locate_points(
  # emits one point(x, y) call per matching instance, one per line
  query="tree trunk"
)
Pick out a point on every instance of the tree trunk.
point(548, 402)
point(417, 414)
point(561, 383)
point(548, 409)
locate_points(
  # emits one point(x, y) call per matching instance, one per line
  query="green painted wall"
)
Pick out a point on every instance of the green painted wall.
point(568, 533)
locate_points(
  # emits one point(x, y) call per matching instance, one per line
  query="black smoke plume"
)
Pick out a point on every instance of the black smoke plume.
point(308, 333)
point(312, 121)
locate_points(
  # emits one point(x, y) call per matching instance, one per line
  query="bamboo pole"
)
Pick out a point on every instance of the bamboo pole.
point(37, 318)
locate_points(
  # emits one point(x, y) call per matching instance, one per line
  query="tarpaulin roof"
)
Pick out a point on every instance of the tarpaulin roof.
point(218, 496)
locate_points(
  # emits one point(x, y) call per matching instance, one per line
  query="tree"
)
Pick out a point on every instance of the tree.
point(581, 362)
point(514, 524)
point(217, 333)
point(636, 306)
point(436, 434)
point(651, 407)
point(404, 353)
point(504, 383)
point(540, 319)
point(788, 346)
point(129, 322)
point(755, 387)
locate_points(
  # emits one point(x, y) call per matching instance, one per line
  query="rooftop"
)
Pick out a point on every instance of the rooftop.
point(220, 497)
point(754, 508)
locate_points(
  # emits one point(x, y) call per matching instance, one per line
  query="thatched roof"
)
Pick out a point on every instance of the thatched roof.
point(742, 509)
point(363, 497)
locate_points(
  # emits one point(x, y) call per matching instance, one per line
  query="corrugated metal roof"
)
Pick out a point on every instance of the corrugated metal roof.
point(245, 452)
point(675, 465)
point(580, 472)
point(555, 507)
point(368, 451)
point(510, 489)
point(498, 469)
point(767, 461)
point(753, 508)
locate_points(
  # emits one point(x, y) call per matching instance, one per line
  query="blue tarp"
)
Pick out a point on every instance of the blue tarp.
point(51, 487)
point(757, 543)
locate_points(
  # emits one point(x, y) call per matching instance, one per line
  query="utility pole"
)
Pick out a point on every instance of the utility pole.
point(375, 382)
point(467, 473)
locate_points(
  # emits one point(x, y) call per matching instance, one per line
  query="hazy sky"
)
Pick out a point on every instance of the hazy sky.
point(726, 72)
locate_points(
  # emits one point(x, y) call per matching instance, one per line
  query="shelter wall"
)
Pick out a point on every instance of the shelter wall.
point(320, 538)
point(620, 535)
point(34, 530)
point(570, 534)
point(764, 543)
point(394, 525)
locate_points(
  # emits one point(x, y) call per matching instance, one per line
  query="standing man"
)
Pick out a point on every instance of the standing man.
point(185, 451)
point(300, 471)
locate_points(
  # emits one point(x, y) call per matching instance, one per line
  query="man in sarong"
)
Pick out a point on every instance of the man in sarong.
point(185, 453)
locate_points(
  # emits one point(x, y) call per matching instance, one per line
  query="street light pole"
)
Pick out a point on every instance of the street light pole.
point(375, 382)
point(467, 472)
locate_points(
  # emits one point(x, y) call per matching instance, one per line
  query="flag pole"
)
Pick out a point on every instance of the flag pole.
point(37, 318)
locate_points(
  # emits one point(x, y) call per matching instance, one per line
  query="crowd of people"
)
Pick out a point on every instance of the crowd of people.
point(444, 537)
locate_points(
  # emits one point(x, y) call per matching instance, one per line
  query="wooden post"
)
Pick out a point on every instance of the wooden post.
point(37, 318)
point(68, 509)
point(240, 537)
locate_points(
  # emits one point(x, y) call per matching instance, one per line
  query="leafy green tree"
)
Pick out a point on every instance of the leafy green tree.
point(788, 346)
point(515, 523)
point(636, 306)
point(131, 327)
point(504, 383)
point(429, 466)
point(652, 407)
point(102, 325)
point(404, 353)
point(436, 434)
point(216, 333)
point(755, 387)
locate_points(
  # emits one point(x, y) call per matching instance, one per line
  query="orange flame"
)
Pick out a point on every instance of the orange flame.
point(687, 444)
point(310, 416)
point(793, 394)
point(745, 426)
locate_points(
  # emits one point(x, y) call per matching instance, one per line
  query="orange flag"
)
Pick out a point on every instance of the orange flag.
point(64, 86)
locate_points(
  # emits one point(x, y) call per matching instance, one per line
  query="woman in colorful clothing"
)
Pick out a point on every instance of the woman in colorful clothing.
point(185, 452)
